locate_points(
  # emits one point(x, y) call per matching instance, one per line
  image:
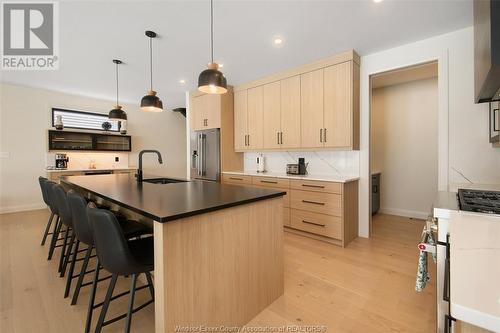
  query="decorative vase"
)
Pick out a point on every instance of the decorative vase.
point(106, 126)
point(123, 127)
point(59, 123)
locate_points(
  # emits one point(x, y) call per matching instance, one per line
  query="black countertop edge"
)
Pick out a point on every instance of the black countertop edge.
point(177, 216)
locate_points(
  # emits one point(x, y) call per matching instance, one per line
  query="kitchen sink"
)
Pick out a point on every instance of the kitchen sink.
point(163, 181)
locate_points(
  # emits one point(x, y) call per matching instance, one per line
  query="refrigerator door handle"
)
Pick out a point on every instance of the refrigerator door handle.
point(200, 155)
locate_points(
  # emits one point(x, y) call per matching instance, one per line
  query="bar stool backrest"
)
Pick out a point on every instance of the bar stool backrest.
point(110, 243)
point(61, 202)
point(50, 187)
point(43, 186)
point(81, 224)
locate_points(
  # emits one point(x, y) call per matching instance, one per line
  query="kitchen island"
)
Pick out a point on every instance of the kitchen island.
point(218, 247)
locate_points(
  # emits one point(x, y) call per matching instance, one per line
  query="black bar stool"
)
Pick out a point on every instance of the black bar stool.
point(43, 186)
point(83, 232)
point(121, 258)
point(50, 187)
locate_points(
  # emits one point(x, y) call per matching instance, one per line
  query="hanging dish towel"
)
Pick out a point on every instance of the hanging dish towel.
point(422, 271)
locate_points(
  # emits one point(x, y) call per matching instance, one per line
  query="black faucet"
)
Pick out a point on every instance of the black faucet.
point(138, 175)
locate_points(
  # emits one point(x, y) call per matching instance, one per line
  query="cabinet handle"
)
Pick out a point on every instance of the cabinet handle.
point(249, 140)
point(278, 137)
point(324, 135)
point(268, 182)
point(234, 178)
point(246, 140)
point(281, 137)
point(313, 202)
point(313, 223)
point(320, 135)
point(315, 186)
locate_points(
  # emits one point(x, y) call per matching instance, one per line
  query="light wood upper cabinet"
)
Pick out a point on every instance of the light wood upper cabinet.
point(338, 105)
point(205, 112)
point(290, 112)
point(255, 105)
point(272, 115)
point(311, 105)
point(240, 119)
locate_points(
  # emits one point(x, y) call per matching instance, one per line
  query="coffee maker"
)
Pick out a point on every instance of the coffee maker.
point(62, 161)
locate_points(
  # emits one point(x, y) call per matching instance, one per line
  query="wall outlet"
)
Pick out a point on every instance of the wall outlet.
point(117, 159)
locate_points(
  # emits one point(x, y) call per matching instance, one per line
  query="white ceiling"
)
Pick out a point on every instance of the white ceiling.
point(92, 33)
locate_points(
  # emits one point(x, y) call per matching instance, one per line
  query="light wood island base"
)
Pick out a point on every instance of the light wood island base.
point(219, 268)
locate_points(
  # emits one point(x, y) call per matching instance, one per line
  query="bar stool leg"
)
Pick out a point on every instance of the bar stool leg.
point(105, 306)
point(55, 236)
point(150, 285)
point(68, 254)
point(69, 278)
point(130, 303)
point(90, 309)
point(82, 275)
point(47, 228)
point(63, 249)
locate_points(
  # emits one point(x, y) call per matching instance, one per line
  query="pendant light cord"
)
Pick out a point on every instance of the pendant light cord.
point(212, 30)
point(151, 63)
point(117, 84)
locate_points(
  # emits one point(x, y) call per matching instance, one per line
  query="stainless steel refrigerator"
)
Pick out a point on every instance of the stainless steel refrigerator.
point(205, 154)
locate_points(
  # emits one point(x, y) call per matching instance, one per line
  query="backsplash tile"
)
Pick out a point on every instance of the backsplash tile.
point(344, 163)
point(82, 160)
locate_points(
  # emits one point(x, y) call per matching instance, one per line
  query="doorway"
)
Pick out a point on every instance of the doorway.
point(404, 141)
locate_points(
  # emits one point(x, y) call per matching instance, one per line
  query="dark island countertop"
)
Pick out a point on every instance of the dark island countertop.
point(168, 202)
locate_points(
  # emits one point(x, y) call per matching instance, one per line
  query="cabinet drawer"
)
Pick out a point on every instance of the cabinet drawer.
point(271, 182)
point(325, 203)
point(317, 186)
point(321, 224)
point(286, 216)
point(236, 179)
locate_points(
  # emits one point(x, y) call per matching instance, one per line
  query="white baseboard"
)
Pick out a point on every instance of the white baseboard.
point(21, 208)
point(404, 212)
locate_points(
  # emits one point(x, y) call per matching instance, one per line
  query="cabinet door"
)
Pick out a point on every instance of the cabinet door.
point(338, 105)
point(240, 119)
point(290, 112)
point(212, 110)
point(272, 115)
point(255, 118)
point(197, 113)
point(311, 113)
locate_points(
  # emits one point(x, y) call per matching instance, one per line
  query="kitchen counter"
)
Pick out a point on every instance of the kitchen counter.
point(324, 178)
point(445, 203)
point(89, 170)
point(168, 202)
point(213, 244)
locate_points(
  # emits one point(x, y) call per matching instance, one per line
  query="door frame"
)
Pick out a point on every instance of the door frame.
point(380, 65)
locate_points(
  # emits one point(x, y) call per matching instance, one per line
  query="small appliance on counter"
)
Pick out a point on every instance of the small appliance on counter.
point(297, 169)
point(260, 163)
point(62, 161)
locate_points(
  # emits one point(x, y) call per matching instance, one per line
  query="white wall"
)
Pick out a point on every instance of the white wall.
point(404, 146)
point(25, 117)
point(463, 125)
point(341, 163)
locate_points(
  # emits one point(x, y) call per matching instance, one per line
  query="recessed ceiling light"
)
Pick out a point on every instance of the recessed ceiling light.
point(377, 1)
point(182, 81)
point(278, 41)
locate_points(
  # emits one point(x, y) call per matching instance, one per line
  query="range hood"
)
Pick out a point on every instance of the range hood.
point(486, 50)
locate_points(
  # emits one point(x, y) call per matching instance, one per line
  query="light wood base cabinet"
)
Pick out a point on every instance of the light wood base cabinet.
point(327, 211)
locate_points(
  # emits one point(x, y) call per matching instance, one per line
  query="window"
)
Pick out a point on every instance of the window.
point(83, 120)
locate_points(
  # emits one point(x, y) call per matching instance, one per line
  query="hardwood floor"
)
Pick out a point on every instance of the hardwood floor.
point(366, 287)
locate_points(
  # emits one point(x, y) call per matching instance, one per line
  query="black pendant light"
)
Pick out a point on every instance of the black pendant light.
point(117, 113)
point(211, 80)
point(151, 102)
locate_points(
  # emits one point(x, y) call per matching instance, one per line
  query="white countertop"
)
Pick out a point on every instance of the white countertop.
point(324, 178)
point(444, 203)
point(85, 170)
